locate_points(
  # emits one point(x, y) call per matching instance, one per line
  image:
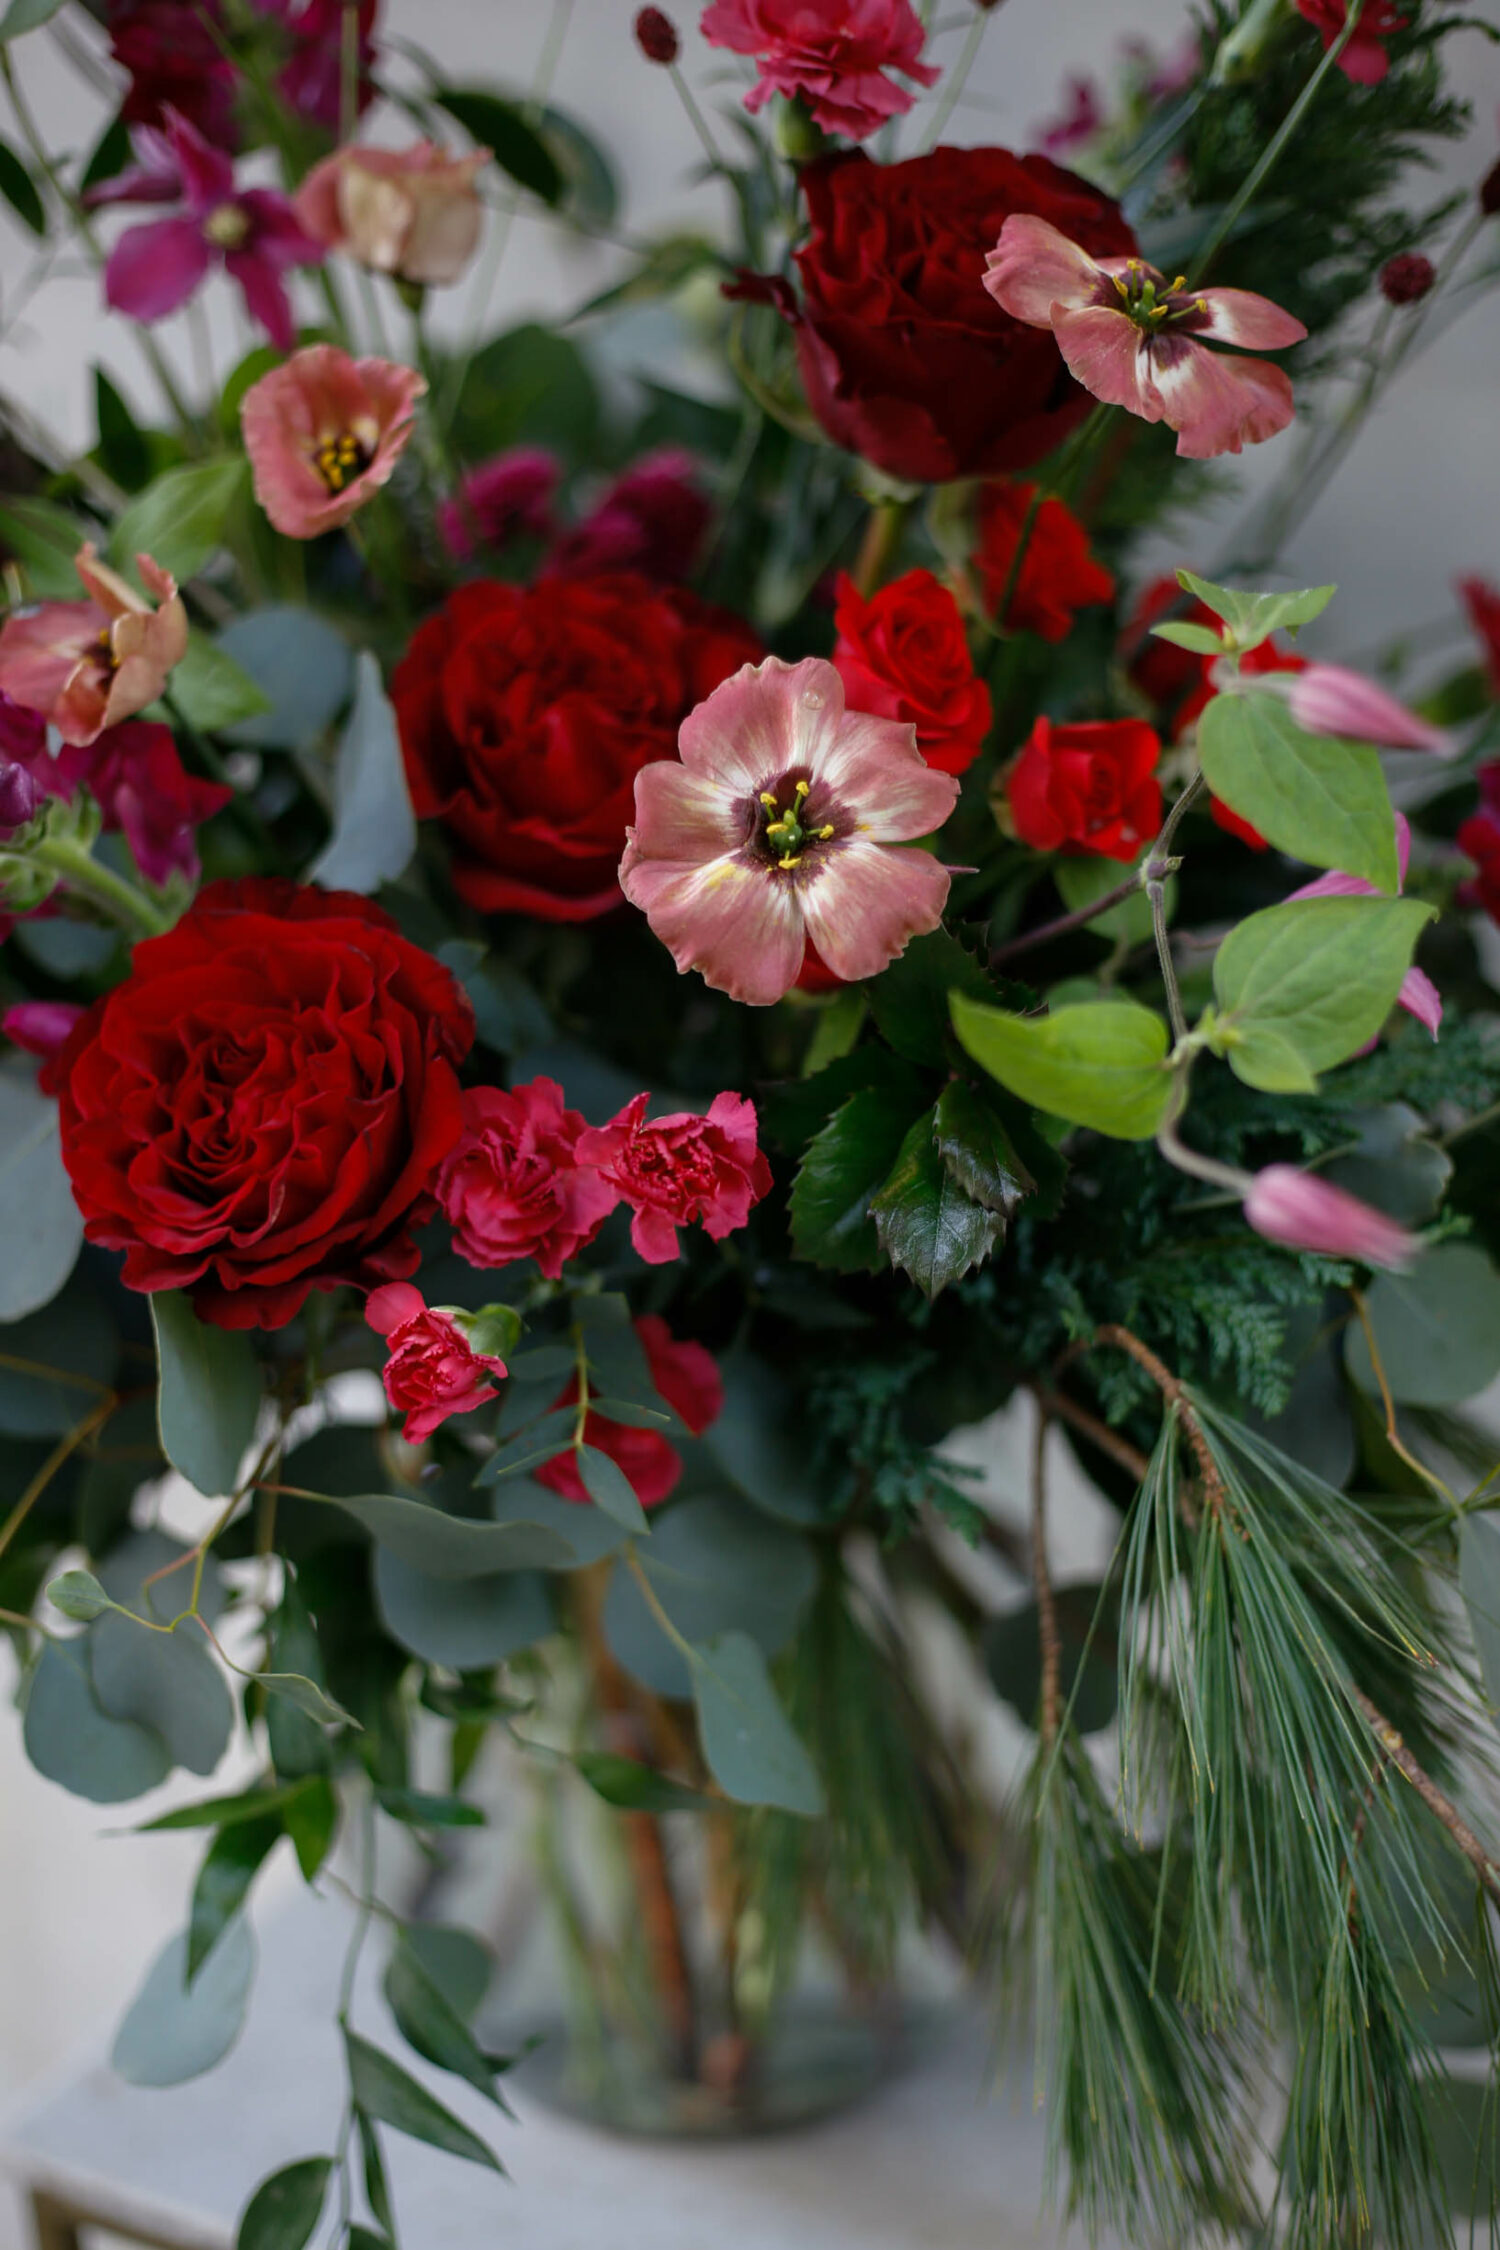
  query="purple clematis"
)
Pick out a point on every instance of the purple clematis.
point(155, 268)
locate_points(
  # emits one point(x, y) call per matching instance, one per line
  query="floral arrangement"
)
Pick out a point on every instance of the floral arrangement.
point(693, 944)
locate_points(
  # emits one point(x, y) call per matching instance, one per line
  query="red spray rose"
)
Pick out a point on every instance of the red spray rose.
point(433, 1370)
point(514, 1186)
point(1088, 788)
point(1482, 601)
point(526, 714)
point(686, 1377)
point(903, 654)
point(679, 1169)
point(1058, 575)
point(905, 357)
point(259, 1109)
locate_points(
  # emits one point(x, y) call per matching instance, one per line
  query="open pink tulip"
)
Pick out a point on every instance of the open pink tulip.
point(411, 212)
point(782, 825)
point(155, 268)
point(1139, 341)
point(1419, 996)
point(87, 665)
point(1306, 1213)
point(324, 433)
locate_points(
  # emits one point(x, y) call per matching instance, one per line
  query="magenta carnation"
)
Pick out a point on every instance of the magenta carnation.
point(833, 53)
point(679, 1169)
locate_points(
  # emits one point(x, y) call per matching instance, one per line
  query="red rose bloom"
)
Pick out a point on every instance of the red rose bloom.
point(1088, 788)
point(905, 356)
point(679, 1169)
point(433, 1370)
point(1479, 840)
point(259, 1109)
point(526, 714)
point(1058, 575)
point(1482, 601)
point(686, 1377)
point(513, 1187)
point(903, 654)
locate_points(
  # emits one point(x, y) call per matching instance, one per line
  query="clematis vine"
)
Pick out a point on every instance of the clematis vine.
point(1139, 341)
point(324, 433)
point(87, 665)
point(255, 232)
point(1419, 996)
point(783, 826)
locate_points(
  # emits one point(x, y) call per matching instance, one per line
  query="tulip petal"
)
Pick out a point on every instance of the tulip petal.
point(1104, 349)
point(1239, 316)
point(1033, 267)
point(866, 902)
point(153, 269)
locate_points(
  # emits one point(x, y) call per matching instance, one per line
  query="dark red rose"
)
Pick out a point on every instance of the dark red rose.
point(1482, 601)
point(903, 654)
point(1088, 788)
point(526, 714)
point(260, 1108)
point(905, 356)
point(687, 1378)
point(176, 62)
point(1058, 575)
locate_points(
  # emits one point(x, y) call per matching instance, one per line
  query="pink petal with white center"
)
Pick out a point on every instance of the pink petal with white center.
point(1420, 997)
point(761, 722)
point(875, 770)
point(739, 925)
point(1330, 699)
point(1217, 405)
point(1107, 353)
point(867, 902)
point(684, 816)
point(1238, 316)
point(1033, 267)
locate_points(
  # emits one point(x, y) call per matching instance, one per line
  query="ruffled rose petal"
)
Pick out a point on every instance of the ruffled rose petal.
point(1105, 350)
point(867, 902)
point(1033, 268)
point(728, 919)
point(1239, 316)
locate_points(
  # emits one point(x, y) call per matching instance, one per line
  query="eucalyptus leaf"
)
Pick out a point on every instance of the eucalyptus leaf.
point(609, 1488)
point(175, 2031)
point(417, 1808)
point(467, 1624)
point(632, 1787)
point(40, 1224)
point(26, 15)
point(79, 1595)
point(303, 669)
point(714, 1566)
point(374, 827)
point(167, 1682)
point(211, 691)
point(757, 1443)
point(67, 1354)
point(71, 1740)
point(1437, 1329)
point(1100, 1064)
point(748, 1741)
point(230, 1866)
point(454, 1546)
point(210, 1393)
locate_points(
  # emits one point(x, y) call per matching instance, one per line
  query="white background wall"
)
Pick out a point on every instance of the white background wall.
point(81, 1908)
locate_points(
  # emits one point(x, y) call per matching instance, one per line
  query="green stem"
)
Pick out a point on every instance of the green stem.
point(89, 878)
point(678, 1639)
point(958, 76)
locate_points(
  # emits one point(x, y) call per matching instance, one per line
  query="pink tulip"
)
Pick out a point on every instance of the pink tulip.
point(1306, 1213)
point(1136, 340)
point(324, 433)
point(1330, 699)
point(780, 827)
point(1419, 996)
point(412, 212)
point(87, 665)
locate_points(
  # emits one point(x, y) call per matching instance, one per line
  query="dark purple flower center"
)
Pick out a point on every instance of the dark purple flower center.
point(1153, 302)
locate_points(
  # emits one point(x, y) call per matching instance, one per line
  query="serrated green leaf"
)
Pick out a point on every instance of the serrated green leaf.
point(844, 1167)
point(928, 1225)
point(285, 2209)
point(1099, 1064)
point(973, 1142)
point(909, 1000)
point(209, 1395)
point(1319, 800)
point(1317, 975)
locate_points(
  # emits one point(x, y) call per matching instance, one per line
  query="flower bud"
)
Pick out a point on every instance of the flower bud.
point(1405, 280)
point(1297, 1208)
point(1239, 53)
point(1330, 699)
point(656, 36)
point(19, 797)
point(1489, 193)
point(41, 1028)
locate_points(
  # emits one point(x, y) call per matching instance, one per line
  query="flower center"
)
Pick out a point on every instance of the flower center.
point(340, 458)
point(787, 831)
point(1153, 302)
point(227, 226)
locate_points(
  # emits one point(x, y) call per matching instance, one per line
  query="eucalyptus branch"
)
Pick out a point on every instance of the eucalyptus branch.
point(364, 1915)
point(67, 1444)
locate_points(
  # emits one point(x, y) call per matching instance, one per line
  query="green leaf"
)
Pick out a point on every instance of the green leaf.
point(20, 191)
point(1479, 1583)
point(458, 1963)
point(285, 2209)
point(1099, 1064)
point(306, 1696)
point(635, 1417)
point(210, 690)
point(454, 1546)
point(531, 387)
point(714, 1566)
point(503, 128)
point(374, 827)
point(1081, 881)
point(78, 1594)
point(26, 15)
point(302, 668)
point(179, 519)
point(174, 2030)
point(111, 154)
point(1437, 1329)
point(909, 1000)
point(415, 1809)
point(74, 1338)
point(758, 1446)
point(840, 1020)
point(383, 2090)
point(508, 1015)
point(609, 1488)
point(929, 1226)
point(973, 1142)
point(1251, 617)
point(122, 447)
point(377, 2189)
point(209, 1397)
point(539, 1440)
point(40, 1224)
point(591, 194)
point(747, 1739)
point(466, 1624)
point(431, 2026)
point(1318, 976)
point(844, 1167)
point(226, 1812)
point(298, 1744)
point(310, 1817)
point(165, 1681)
point(1201, 639)
point(71, 1740)
point(632, 1787)
point(44, 539)
point(233, 1861)
point(1319, 800)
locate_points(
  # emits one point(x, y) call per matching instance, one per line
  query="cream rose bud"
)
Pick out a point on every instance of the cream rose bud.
point(413, 212)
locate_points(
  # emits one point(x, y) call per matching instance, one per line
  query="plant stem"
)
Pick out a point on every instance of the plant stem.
point(1112, 1334)
point(54, 1461)
point(364, 1914)
point(1062, 924)
point(88, 878)
point(883, 528)
point(1046, 1605)
point(1126, 1456)
point(958, 75)
point(1440, 1806)
point(1392, 1434)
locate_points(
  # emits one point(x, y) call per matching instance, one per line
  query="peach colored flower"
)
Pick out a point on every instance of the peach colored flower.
point(88, 665)
point(780, 826)
point(1137, 340)
point(412, 212)
point(324, 433)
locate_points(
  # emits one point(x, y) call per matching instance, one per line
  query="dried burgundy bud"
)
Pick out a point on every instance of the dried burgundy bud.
point(656, 36)
point(1489, 193)
point(19, 797)
point(1405, 280)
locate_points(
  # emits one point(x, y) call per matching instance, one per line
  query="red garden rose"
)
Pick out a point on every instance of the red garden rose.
point(260, 1108)
point(526, 714)
point(905, 356)
point(514, 1188)
point(1088, 788)
point(903, 654)
point(1058, 574)
point(677, 1169)
point(686, 1377)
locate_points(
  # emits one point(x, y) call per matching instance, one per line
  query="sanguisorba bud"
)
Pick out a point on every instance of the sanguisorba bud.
point(1406, 279)
point(1489, 193)
point(19, 797)
point(656, 36)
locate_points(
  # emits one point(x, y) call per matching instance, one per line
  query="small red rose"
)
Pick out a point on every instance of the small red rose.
point(1058, 574)
point(679, 1170)
point(432, 1370)
point(903, 654)
point(687, 1379)
point(514, 1187)
point(1091, 787)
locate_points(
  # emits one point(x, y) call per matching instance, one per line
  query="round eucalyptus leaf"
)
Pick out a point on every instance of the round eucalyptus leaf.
point(175, 2031)
point(71, 1740)
point(716, 1568)
point(1437, 1329)
point(466, 1623)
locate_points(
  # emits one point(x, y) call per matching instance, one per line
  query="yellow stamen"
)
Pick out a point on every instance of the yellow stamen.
point(801, 790)
point(768, 800)
point(792, 859)
point(823, 834)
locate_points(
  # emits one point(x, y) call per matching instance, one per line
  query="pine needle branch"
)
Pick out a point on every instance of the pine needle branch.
point(1440, 1806)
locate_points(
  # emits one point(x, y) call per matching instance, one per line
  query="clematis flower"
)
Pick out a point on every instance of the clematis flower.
point(833, 53)
point(87, 665)
point(1330, 699)
point(324, 432)
point(432, 1371)
point(311, 81)
point(680, 1169)
point(412, 212)
point(1419, 996)
point(1306, 1213)
point(1364, 59)
point(155, 268)
point(500, 500)
point(782, 825)
point(1138, 341)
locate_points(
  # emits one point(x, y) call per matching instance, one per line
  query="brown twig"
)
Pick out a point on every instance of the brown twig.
point(1120, 1450)
point(1440, 1806)
point(1124, 1339)
point(1046, 1605)
point(54, 1461)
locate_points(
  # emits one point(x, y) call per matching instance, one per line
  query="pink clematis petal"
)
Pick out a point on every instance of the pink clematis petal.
point(155, 268)
point(265, 295)
point(868, 902)
point(1218, 405)
point(207, 173)
point(1420, 997)
point(1330, 699)
point(723, 918)
point(1105, 350)
point(1033, 267)
point(1238, 316)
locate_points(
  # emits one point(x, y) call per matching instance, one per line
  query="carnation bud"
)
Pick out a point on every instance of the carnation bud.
point(1405, 280)
point(19, 798)
point(1306, 1213)
point(1489, 193)
point(799, 138)
point(656, 36)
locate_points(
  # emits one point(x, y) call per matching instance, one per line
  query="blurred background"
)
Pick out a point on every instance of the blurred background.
point(83, 1909)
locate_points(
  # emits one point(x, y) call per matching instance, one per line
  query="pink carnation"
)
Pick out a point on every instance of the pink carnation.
point(431, 1371)
point(514, 1186)
point(324, 432)
point(834, 53)
point(500, 500)
point(1306, 1213)
point(679, 1169)
point(87, 665)
point(652, 519)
